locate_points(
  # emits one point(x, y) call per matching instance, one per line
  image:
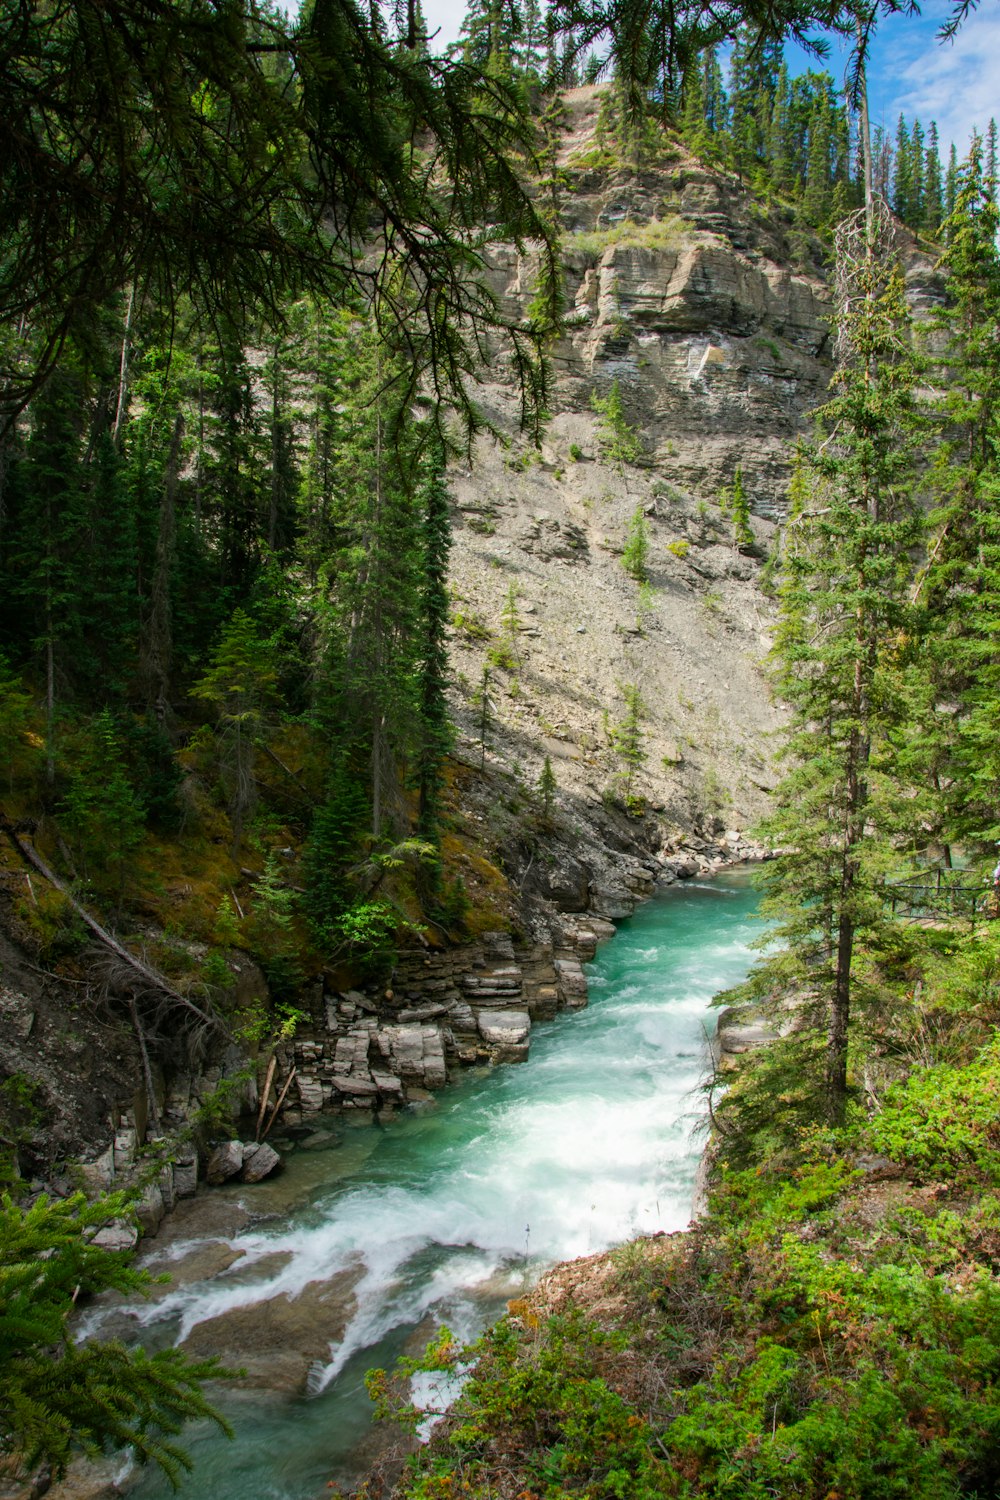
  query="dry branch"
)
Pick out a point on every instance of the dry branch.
point(150, 976)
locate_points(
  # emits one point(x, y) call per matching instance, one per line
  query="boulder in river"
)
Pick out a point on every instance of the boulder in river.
point(259, 1161)
point(224, 1162)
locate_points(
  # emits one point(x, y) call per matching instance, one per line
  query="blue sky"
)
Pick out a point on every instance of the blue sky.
point(956, 83)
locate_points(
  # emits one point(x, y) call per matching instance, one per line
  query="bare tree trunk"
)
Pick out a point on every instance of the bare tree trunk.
point(272, 515)
point(159, 634)
point(864, 128)
point(123, 369)
point(147, 1071)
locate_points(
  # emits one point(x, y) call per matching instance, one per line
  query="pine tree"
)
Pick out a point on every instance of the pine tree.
point(933, 186)
point(629, 744)
point(951, 182)
point(902, 182)
point(635, 555)
point(956, 670)
point(816, 198)
point(990, 176)
point(511, 623)
point(369, 584)
point(101, 809)
point(739, 508)
point(484, 714)
point(780, 137)
point(240, 681)
point(547, 787)
point(618, 441)
point(62, 1396)
point(435, 728)
point(844, 601)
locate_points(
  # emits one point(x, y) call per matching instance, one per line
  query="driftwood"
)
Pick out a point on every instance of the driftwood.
point(281, 1100)
point(149, 976)
point(265, 1093)
point(147, 1071)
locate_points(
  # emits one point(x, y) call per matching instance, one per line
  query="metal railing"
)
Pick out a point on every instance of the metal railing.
point(943, 897)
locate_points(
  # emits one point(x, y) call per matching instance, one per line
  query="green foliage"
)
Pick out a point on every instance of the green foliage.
point(271, 934)
point(547, 788)
point(435, 727)
point(330, 849)
point(101, 810)
point(618, 441)
point(368, 930)
point(483, 703)
point(679, 547)
point(628, 742)
point(739, 510)
point(636, 551)
point(272, 120)
point(542, 1401)
point(240, 682)
point(510, 620)
point(15, 722)
point(21, 1099)
point(944, 1122)
point(845, 602)
point(61, 1397)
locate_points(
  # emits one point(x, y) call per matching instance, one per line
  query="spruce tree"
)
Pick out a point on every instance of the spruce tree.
point(902, 178)
point(990, 166)
point(435, 727)
point(955, 677)
point(62, 1396)
point(635, 555)
point(933, 186)
point(629, 743)
point(547, 787)
point(845, 598)
point(240, 682)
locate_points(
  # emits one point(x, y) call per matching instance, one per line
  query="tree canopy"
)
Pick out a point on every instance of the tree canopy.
point(222, 152)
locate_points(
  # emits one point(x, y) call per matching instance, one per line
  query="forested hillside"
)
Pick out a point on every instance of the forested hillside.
point(830, 1326)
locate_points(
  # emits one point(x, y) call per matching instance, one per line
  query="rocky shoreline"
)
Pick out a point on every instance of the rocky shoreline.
point(375, 1050)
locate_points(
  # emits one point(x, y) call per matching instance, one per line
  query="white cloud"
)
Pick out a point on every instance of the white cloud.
point(955, 83)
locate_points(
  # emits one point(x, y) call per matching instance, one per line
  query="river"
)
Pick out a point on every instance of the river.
point(444, 1213)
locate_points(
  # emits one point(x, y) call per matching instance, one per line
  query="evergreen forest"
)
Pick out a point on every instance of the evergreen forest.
point(244, 301)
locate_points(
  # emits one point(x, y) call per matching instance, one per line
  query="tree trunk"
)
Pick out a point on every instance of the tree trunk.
point(159, 633)
point(123, 370)
point(864, 128)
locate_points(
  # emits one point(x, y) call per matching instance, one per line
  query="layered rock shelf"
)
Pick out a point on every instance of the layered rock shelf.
point(475, 1005)
point(441, 1011)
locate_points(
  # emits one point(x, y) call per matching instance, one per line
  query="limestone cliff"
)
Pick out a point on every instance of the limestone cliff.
point(712, 312)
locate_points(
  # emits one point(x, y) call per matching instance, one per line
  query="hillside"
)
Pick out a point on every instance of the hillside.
point(683, 300)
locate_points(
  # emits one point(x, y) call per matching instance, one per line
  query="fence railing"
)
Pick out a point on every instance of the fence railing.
point(910, 898)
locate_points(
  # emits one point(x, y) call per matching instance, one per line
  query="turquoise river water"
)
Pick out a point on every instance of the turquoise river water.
point(442, 1215)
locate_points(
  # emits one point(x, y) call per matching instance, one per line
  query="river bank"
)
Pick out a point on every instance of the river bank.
point(443, 1213)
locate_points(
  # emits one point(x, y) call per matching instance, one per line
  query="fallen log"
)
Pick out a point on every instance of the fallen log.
point(151, 978)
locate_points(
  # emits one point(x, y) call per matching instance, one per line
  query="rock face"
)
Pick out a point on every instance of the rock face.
point(446, 1009)
point(712, 314)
